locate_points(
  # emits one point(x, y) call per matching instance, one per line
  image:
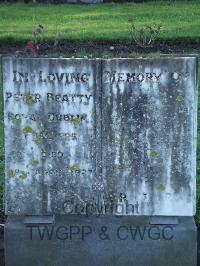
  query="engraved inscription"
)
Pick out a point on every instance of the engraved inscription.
point(50, 121)
point(95, 136)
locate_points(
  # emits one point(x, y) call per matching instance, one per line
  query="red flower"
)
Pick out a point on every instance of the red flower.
point(30, 48)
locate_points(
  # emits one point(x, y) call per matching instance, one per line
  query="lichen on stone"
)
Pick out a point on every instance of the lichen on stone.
point(76, 121)
point(146, 108)
point(27, 130)
point(23, 175)
point(34, 162)
point(153, 154)
point(37, 140)
point(11, 173)
point(160, 187)
point(73, 167)
point(29, 99)
point(179, 98)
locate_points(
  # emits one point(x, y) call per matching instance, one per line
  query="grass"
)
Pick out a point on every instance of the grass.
point(99, 22)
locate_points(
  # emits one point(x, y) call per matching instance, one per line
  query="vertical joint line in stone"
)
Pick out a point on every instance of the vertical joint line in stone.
point(101, 114)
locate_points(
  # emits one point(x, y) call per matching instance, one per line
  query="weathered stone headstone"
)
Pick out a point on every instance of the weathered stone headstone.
point(50, 127)
point(149, 133)
point(105, 138)
point(53, 122)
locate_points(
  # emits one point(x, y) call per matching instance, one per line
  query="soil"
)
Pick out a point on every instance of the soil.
point(95, 50)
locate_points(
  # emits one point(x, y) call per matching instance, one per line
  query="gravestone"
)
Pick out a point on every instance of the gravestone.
point(50, 117)
point(97, 151)
point(149, 133)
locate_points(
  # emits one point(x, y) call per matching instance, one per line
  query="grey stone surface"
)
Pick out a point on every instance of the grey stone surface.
point(149, 133)
point(50, 133)
point(119, 138)
point(80, 241)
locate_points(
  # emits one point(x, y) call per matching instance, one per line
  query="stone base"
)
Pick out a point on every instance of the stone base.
point(106, 241)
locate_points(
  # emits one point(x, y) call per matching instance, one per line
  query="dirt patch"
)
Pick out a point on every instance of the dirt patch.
point(95, 50)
